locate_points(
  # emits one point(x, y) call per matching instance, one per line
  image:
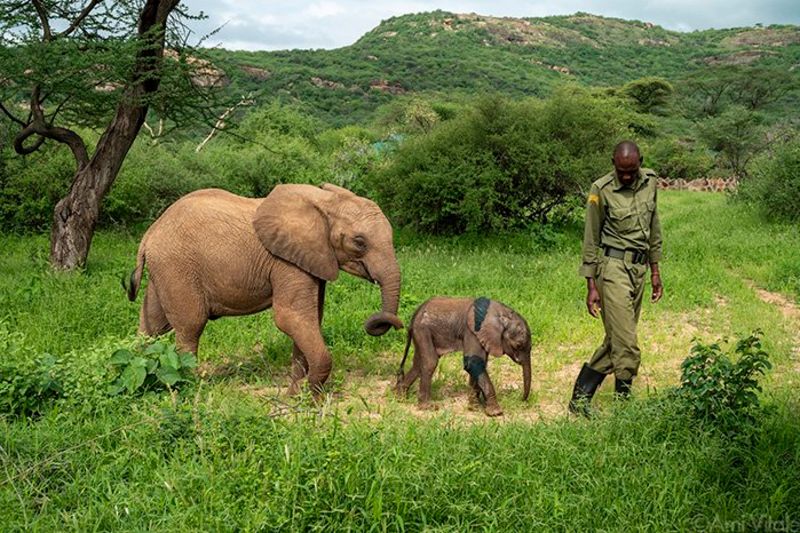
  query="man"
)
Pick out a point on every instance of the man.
point(621, 237)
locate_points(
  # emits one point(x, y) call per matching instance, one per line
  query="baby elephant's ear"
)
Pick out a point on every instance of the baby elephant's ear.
point(487, 324)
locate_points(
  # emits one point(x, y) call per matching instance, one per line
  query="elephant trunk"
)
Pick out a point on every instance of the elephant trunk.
point(526, 376)
point(379, 323)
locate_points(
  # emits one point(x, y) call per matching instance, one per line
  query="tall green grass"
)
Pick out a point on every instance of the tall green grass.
point(217, 456)
point(221, 464)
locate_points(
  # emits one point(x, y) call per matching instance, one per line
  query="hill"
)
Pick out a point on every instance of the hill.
point(465, 53)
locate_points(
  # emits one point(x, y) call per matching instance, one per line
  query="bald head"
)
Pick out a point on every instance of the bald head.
point(627, 161)
point(626, 149)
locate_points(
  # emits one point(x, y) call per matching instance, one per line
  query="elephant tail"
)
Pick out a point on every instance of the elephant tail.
point(400, 371)
point(136, 275)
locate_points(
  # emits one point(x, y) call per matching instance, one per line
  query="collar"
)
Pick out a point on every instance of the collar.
point(637, 183)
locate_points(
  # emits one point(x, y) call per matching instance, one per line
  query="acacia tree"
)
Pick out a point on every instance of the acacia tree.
point(68, 66)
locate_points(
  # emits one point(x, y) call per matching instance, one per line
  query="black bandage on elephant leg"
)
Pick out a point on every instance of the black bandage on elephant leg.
point(474, 365)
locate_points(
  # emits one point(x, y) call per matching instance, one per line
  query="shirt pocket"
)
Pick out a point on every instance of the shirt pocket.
point(646, 215)
point(623, 219)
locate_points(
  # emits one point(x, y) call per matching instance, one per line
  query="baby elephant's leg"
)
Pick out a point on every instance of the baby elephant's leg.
point(476, 396)
point(428, 359)
point(475, 365)
point(405, 382)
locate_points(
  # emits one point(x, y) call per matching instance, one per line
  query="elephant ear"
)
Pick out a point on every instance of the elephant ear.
point(292, 227)
point(335, 188)
point(485, 321)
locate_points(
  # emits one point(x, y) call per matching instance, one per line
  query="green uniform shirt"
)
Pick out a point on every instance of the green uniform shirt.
point(623, 217)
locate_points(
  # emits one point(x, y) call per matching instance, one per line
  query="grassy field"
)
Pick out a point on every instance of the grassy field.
point(230, 453)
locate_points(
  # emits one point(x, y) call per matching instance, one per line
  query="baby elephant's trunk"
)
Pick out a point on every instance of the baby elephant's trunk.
point(526, 377)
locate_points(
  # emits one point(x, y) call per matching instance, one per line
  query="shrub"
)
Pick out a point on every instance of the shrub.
point(736, 136)
point(31, 187)
point(32, 381)
point(775, 182)
point(501, 164)
point(649, 95)
point(150, 367)
point(717, 389)
point(678, 159)
point(28, 381)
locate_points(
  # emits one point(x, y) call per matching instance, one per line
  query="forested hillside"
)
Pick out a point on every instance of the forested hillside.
point(464, 53)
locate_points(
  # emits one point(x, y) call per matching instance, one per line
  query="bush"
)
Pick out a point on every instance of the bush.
point(649, 95)
point(501, 164)
point(717, 389)
point(737, 136)
point(151, 178)
point(678, 159)
point(31, 381)
point(273, 145)
point(150, 367)
point(775, 182)
point(28, 381)
point(31, 186)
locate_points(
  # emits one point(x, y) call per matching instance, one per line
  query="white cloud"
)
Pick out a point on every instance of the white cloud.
point(324, 9)
point(334, 23)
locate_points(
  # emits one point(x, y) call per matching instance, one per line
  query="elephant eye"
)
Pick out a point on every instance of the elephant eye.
point(360, 243)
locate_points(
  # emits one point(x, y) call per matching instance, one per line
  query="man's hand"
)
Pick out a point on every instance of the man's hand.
point(655, 281)
point(592, 298)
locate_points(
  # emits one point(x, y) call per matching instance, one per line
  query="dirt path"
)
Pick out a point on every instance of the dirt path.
point(790, 312)
point(665, 343)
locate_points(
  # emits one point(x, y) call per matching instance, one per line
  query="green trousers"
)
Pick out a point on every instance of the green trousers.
point(621, 285)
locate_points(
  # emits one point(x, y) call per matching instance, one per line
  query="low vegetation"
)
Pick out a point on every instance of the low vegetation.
point(228, 451)
point(483, 176)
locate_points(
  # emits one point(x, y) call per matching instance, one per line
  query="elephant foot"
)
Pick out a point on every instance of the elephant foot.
point(293, 389)
point(474, 403)
point(428, 406)
point(493, 410)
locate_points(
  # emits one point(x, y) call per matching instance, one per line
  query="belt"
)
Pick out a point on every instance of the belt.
point(637, 256)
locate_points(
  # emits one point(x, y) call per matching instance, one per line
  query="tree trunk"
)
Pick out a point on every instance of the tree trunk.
point(73, 224)
point(77, 213)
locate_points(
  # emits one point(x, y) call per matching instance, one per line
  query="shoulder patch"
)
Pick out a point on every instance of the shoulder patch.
point(594, 199)
point(605, 180)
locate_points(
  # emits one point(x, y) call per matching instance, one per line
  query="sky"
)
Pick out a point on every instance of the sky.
point(289, 24)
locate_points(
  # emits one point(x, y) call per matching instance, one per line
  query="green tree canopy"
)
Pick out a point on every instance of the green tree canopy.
point(649, 95)
point(96, 64)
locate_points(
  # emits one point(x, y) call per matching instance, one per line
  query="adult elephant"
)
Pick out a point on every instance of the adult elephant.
point(213, 253)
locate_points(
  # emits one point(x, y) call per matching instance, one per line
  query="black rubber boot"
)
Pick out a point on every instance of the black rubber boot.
point(585, 387)
point(622, 388)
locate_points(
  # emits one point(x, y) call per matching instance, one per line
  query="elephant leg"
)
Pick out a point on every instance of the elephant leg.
point(298, 372)
point(428, 360)
point(186, 311)
point(475, 365)
point(296, 314)
point(404, 383)
point(475, 395)
point(152, 319)
point(485, 384)
point(299, 362)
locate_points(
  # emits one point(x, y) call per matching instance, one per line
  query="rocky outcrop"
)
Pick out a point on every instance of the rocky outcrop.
point(255, 73)
point(203, 72)
point(557, 68)
point(326, 84)
point(385, 86)
point(700, 184)
point(764, 37)
point(743, 57)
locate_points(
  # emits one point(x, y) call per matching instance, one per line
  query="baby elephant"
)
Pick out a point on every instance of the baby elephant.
point(475, 327)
